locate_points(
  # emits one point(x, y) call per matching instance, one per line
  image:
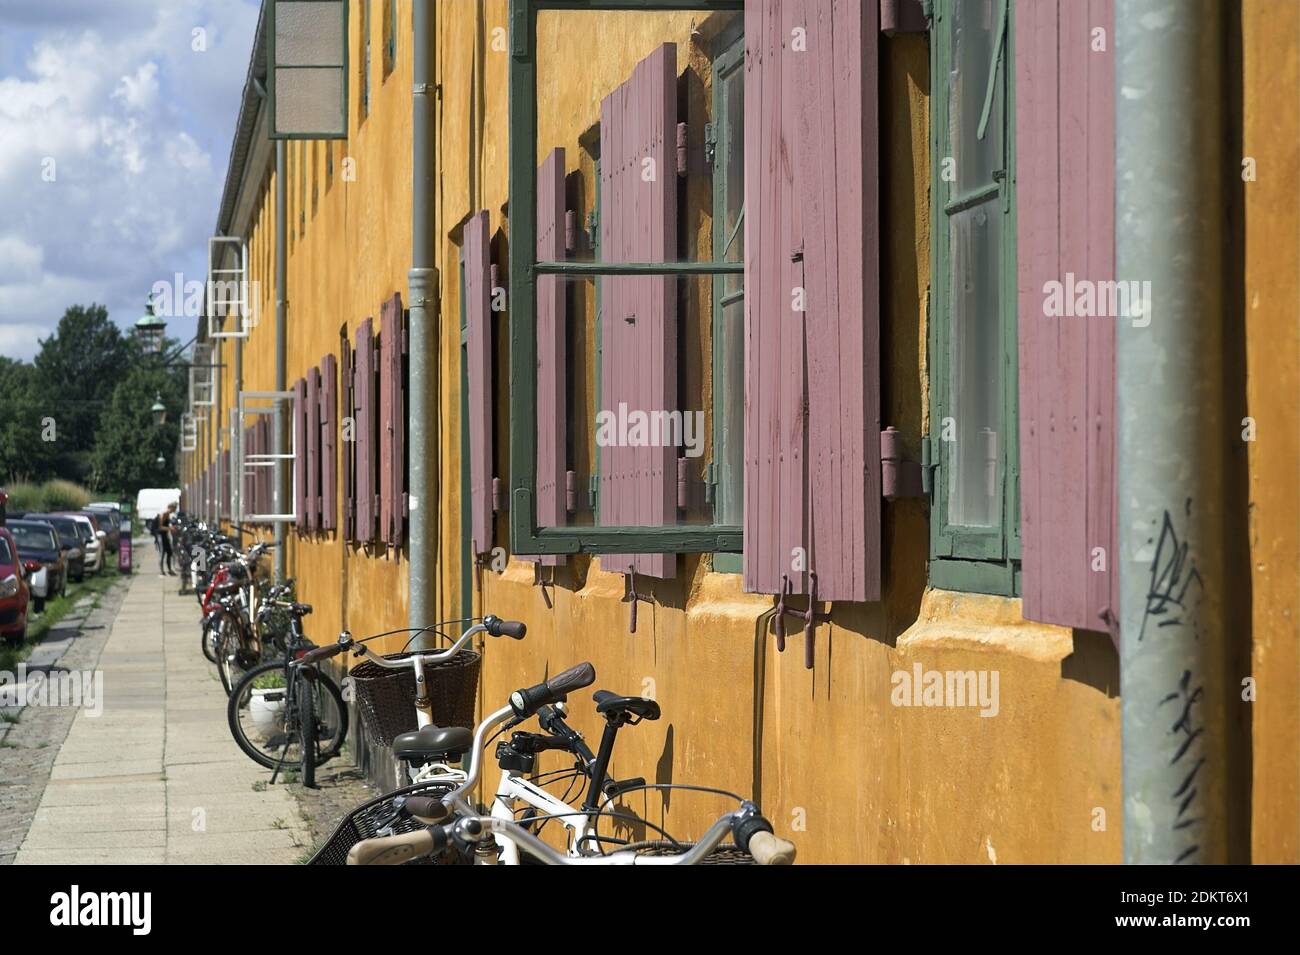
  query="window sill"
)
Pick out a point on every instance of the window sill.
point(952, 620)
point(975, 576)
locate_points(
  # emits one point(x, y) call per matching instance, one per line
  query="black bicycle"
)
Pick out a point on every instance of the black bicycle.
point(284, 715)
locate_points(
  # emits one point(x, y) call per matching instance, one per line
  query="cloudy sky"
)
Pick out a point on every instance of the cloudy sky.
point(115, 124)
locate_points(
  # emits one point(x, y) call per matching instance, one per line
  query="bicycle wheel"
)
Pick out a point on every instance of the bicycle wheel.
point(208, 638)
point(307, 730)
point(268, 731)
point(233, 660)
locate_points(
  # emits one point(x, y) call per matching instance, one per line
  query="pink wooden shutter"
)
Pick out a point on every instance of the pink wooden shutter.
point(400, 469)
point(812, 380)
point(267, 444)
point(478, 321)
point(638, 221)
point(347, 377)
point(1065, 133)
point(366, 413)
point(329, 432)
point(312, 450)
point(552, 375)
point(391, 421)
point(300, 461)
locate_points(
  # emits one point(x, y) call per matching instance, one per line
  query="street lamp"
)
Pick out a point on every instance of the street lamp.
point(158, 410)
point(149, 329)
point(161, 461)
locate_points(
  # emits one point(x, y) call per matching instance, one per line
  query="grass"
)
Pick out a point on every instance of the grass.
point(96, 585)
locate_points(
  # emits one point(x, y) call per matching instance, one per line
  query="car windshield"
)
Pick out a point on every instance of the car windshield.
point(85, 530)
point(67, 529)
point(33, 537)
point(6, 555)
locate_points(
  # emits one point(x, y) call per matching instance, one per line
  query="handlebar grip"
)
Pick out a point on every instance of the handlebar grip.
point(509, 628)
point(322, 653)
point(768, 849)
point(394, 850)
point(427, 807)
point(525, 702)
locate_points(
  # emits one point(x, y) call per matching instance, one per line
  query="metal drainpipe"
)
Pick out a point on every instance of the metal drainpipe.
point(216, 420)
point(281, 307)
point(421, 279)
point(1169, 163)
point(237, 441)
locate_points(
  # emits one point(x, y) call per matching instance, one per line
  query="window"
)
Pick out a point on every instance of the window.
point(975, 542)
point(725, 141)
point(656, 301)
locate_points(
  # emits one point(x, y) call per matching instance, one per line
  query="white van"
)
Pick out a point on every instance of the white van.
point(152, 501)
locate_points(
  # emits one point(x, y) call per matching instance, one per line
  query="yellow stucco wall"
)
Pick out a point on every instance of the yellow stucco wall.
point(1271, 136)
point(850, 775)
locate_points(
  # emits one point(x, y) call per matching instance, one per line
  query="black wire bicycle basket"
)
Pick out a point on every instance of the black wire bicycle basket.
point(366, 821)
point(386, 697)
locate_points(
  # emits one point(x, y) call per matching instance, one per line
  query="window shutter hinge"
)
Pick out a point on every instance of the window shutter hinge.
point(710, 484)
point(928, 466)
point(593, 227)
point(710, 144)
point(898, 476)
point(593, 491)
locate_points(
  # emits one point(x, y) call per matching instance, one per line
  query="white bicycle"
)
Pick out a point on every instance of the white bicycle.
point(432, 754)
point(484, 838)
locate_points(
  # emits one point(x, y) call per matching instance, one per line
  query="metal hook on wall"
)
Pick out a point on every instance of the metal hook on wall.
point(631, 596)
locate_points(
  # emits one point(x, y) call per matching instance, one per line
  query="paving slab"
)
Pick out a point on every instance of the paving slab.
point(156, 778)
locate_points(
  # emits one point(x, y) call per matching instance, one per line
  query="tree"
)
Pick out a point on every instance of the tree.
point(128, 443)
point(77, 368)
point(28, 432)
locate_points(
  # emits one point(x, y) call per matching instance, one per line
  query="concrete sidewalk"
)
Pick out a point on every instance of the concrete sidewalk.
point(157, 778)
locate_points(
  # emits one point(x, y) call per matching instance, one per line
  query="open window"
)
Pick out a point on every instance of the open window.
point(732, 269)
point(261, 414)
point(634, 293)
point(975, 526)
point(307, 68)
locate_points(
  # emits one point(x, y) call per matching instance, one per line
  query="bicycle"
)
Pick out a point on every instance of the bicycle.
point(238, 644)
point(470, 832)
point(285, 716)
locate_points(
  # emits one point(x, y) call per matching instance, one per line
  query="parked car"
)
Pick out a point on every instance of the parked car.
point(69, 542)
point(42, 557)
point(110, 519)
point(92, 540)
point(15, 593)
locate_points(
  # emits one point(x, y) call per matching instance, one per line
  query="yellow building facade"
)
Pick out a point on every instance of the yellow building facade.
point(834, 761)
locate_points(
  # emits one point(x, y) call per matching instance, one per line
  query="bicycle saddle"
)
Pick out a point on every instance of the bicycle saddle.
point(608, 702)
point(430, 742)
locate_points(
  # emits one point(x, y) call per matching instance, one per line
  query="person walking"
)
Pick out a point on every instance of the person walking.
point(165, 541)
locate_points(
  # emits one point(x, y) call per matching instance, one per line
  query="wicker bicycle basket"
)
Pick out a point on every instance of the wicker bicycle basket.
point(386, 698)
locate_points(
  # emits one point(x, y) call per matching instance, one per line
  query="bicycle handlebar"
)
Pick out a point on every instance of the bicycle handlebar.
point(494, 626)
point(525, 702)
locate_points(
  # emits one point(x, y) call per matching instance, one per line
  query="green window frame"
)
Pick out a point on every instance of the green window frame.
point(526, 537)
point(973, 555)
point(725, 483)
point(343, 68)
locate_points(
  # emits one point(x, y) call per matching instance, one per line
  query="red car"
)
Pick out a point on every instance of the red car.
point(14, 592)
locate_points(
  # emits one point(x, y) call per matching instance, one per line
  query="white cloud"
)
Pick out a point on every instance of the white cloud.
point(135, 126)
point(139, 92)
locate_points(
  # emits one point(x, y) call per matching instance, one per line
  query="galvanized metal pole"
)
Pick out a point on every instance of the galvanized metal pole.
point(1170, 234)
point(281, 307)
point(422, 289)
